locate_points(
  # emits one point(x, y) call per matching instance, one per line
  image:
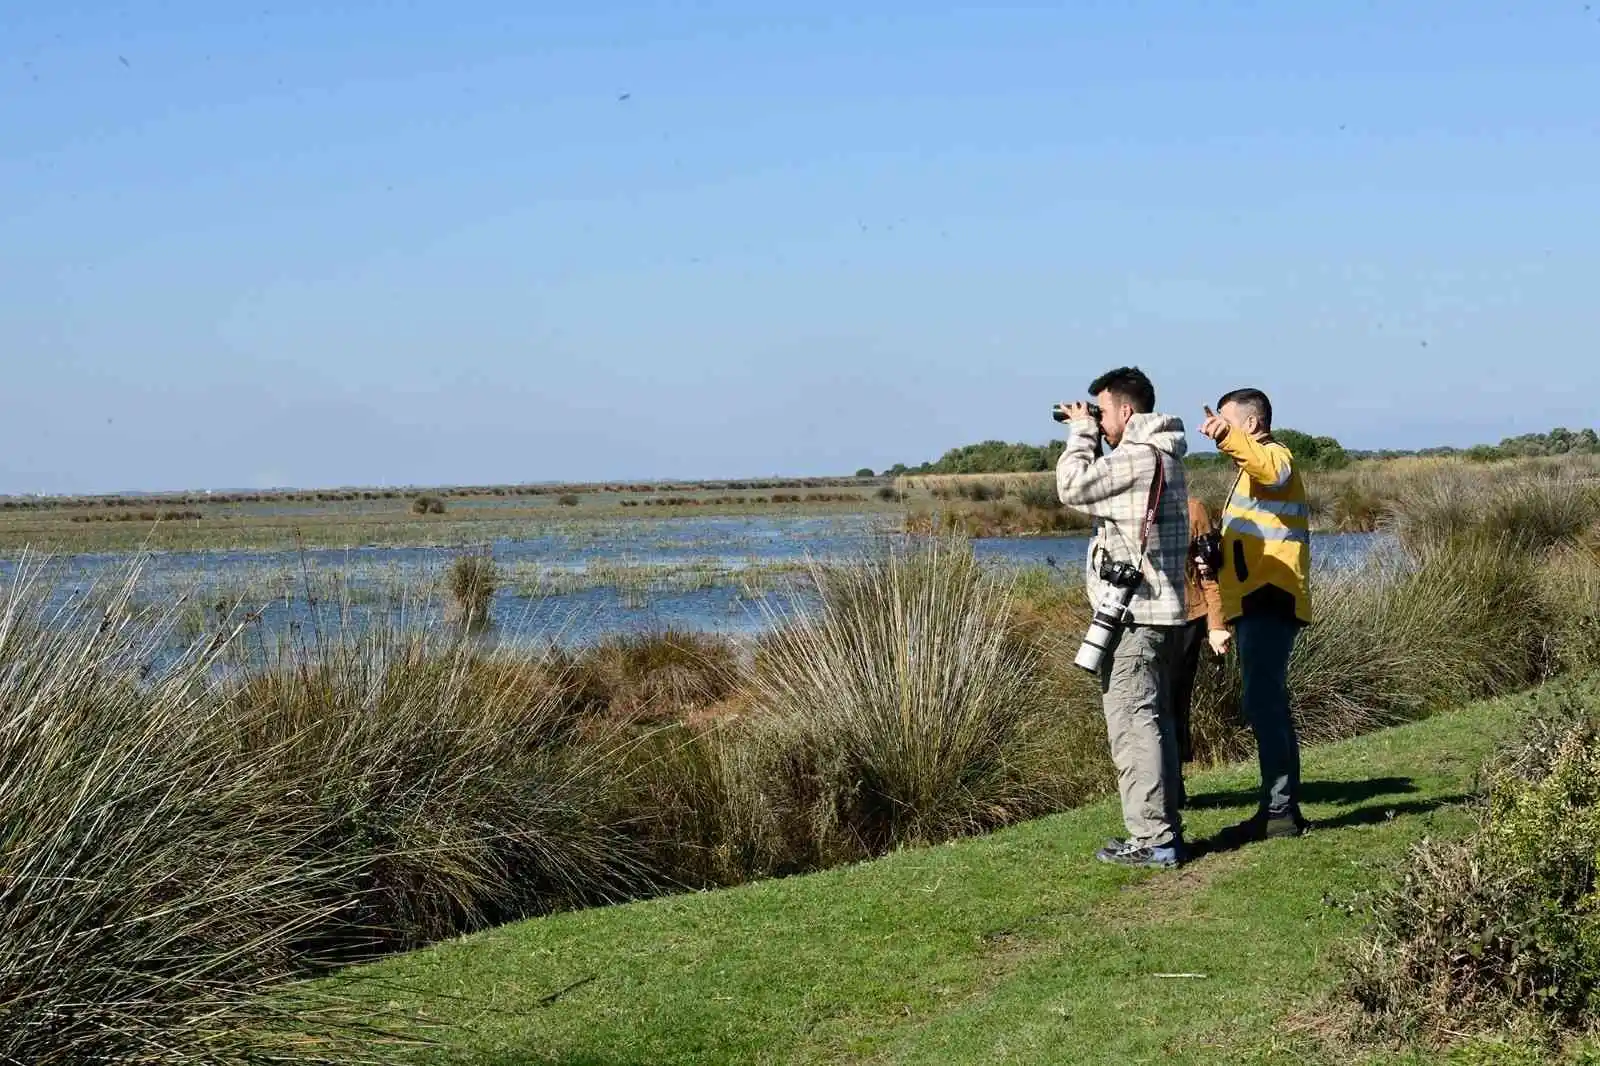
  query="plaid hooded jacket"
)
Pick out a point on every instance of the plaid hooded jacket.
point(1115, 490)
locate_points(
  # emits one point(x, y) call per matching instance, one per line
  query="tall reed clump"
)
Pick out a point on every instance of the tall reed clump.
point(908, 712)
point(471, 581)
point(181, 835)
point(468, 785)
point(715, 803)
point(1527, 516)
point(154, 884)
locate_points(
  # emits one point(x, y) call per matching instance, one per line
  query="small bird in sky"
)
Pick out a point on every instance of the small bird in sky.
point(624, 98)
point(124, 60)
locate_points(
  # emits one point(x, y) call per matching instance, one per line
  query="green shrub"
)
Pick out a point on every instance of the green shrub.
point(424, 505)
point(1501, 929)
point(1313, 453)
point(1040, 494)
point(567, 499)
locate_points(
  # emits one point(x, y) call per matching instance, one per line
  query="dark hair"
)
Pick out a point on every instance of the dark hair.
point(1252, 399)
point(1127, 383)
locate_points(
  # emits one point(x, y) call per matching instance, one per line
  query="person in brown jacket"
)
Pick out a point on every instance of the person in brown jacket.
point(1205, 626)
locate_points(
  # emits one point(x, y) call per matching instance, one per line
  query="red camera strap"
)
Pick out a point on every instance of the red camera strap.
point(1153, 508)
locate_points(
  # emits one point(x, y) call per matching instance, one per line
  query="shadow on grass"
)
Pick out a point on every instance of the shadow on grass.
point(1237, 836)
point(1334, 793)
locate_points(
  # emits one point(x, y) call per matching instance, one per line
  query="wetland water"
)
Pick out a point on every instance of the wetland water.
point(571, 583)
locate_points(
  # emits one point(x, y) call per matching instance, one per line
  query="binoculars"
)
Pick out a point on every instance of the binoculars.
point(1061, 416)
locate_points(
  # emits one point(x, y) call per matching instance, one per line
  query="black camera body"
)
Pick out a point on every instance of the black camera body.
point(1061, 416)
point(1110, 614)
point(1206, 551)
point(1119, 574)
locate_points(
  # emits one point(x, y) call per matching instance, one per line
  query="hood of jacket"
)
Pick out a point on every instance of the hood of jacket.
point(1165, 433)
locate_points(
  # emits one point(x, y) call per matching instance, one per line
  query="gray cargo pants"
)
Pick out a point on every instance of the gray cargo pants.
point(1140, 726)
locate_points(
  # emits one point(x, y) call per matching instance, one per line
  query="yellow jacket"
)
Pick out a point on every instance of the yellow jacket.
point(1266, 531)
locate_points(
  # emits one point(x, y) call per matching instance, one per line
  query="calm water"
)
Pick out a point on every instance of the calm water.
point(554, 587)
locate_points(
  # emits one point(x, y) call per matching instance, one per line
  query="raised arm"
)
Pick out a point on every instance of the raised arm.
point(1271, 467)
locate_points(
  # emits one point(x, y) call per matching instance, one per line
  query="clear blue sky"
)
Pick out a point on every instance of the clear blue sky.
point(419, 242)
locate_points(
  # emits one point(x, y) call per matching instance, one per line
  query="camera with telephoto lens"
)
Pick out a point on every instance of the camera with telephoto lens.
point(1206, 551)
point(1060, 415)
point(1110, 614)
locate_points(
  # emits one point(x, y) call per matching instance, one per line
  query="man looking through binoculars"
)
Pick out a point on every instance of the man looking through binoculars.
point(1138, 497)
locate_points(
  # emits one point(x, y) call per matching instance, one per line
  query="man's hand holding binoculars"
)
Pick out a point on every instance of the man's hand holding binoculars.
point(1080, 409)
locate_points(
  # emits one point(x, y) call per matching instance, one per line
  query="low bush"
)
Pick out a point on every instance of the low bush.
point(424, 505)
point(1502, 929)
point(656, 677)
point(1039, 493)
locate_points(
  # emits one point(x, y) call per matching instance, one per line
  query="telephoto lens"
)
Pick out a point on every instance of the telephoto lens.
point(1110, 615)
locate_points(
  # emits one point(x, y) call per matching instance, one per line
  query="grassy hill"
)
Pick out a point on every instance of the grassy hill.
point(1015, 948)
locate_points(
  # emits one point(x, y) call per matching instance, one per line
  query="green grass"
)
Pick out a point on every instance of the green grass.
point(1014, 947)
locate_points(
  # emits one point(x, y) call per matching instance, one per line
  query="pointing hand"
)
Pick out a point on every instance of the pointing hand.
point(1214, 426)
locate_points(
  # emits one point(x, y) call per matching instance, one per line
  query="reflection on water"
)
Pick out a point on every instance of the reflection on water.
point(572, 584)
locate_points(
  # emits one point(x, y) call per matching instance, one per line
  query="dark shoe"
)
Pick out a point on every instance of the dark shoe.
point(1265, 826)
point(1279, 826)
point(1159, 857)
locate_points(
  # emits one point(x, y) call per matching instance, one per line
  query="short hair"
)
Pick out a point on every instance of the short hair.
point(1128, 383)
point(1253, 400)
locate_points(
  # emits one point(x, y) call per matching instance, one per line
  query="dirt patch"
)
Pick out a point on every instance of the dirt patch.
point(1162, 899)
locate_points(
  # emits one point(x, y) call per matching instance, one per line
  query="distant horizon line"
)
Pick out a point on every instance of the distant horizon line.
point(548, 483)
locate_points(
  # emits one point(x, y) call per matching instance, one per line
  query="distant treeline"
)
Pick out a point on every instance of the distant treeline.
point(1559, 441)
point(1314, 452)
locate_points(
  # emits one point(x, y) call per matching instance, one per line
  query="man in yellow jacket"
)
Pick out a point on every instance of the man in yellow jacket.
point(1266, 592)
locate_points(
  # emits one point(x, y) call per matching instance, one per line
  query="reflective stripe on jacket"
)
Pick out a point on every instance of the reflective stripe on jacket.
point(1266, 529)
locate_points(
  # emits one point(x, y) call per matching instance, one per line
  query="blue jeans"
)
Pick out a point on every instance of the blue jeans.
point(1265, 641)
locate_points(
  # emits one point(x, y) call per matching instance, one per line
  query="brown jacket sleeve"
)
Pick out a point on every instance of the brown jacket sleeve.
point(1209, 592)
